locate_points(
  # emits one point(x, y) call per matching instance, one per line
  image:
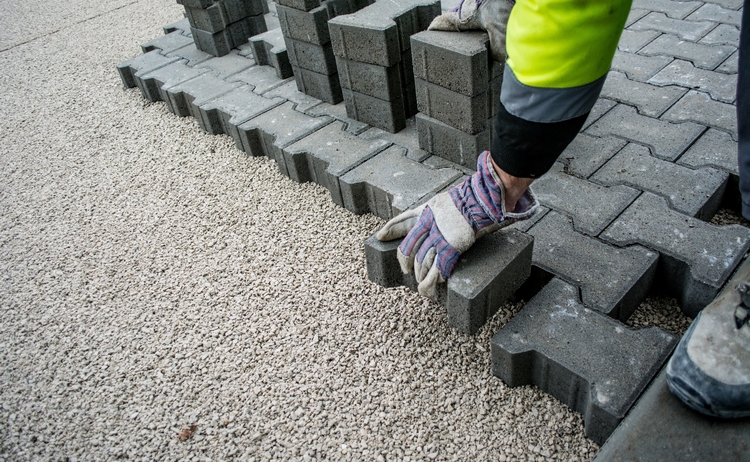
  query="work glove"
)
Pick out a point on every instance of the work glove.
point(489, 15)
point(438, 232)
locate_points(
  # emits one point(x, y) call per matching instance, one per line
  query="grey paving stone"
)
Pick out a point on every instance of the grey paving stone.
point(651, 100)
point(236, 34)
point(191, 54)
point(144, 63)
point(457, 61)
point(731, 65)
point(269, 133)
point(262, 78)
point(390, 183)
point(638, 67)
point(451, 143)
point(386, 115)
point(227, 65)
point(666, 140)
point(308, 26)
point(688, 30)
point(634, 15)
point(304, 5)
point(406, 138)
point(326, 155)
point(225, 113)
point(370, 79)
point(439, 162)
point(631, 41)
point(601, 107)
point(485, 276)
point(721, 87)
point(324, 87)
point(210, 19)
point(696, 193)
point(701, 55)
point(310, 56)
point(184, 99)
point(713, 149)
point(288, 90)
point(466, 113)
point(269, 49)
point(715, 13)
point(167, 43)
point(581, 357)
point(586, 154)
point(338, 112)
point(724, 34)
point(183, 26)
point(696, 257)
point(698, 107)
point(591, 206)
point(613, 281)
point(729, 4)
point(151, 83)
point(673, 9)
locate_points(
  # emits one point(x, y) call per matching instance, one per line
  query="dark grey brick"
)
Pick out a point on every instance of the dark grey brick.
point(451, 143)
point(688, 30)
point(667, 140)
point(458, 62)
point(714, 149)
point(586, 154)
point(731, 65)
point(183, 26)
point(613, 281)
point(262, 78)
point(144, 64)
point(234, 35)
point(151, 83)
point(303, 103)
point(303, 5)
point(324, 87)
point(484, 278)
point(227, 65)
point(237, 10)
point(715, 13)
point(631, 41)
point(721, 87)
point(310, 56)
point(703, 56)
point(696, 258)
point(225, 113)
point(696, 193)
point(326, 155)
point(386, 115)
point(638, 67)
point(269, 49)
point(591, 206)
point(673, 9)
point(307, 26)
point(185, 98)
point(698, 107)
point(724, 34)
point(390, 183)
point(209, 19)
point(167, 43)
point(593, 363)
point(651, 100)
point(466, 113)
point(380, 82)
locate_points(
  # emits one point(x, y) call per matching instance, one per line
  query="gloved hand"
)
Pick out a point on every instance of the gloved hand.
point(489, 15)
point(449, 224)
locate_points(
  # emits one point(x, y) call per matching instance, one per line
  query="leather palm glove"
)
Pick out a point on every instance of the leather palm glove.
point(438, 232)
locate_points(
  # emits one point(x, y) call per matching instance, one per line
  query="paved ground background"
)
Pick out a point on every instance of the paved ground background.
point(152, 277)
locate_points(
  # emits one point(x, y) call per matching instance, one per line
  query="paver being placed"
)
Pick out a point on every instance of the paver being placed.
point(613, 281)
point(650, 100)
point(326, 155)
point(697, 106)
point(688, 30)
point(591, 206)
point(721, 87)
point(703, 56)
point(185, 98)
point(142, 64)
point(586, 154)
point(697, 193)
point(152, 83)
point(390, 183)
point(713, 149)
point(485, 276)
point(225, 113)
point(696, 257)
point(593, 363)
point(269, 49)
point(667, 140)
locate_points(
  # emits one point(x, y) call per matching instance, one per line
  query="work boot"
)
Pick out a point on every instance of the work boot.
point(710, 368)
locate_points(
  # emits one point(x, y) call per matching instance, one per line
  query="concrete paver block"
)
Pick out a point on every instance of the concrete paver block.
point(224, 113)
point(185, 98)
point(390, 183)
point(451, 143)
point(227, 65)
point(673, 9)
point(269, 49)
point(338, 112)
point(303, 5)
point(288, 90)
point(234, 35)
point(724, 34)
point(485, 276)
point(586, 154)
point(183, 26)
point(324, 156)
point(591, 206)
point(406, 138)
point(593, 363)
point(634, 15)
point(321, 86)
point(310, 56)
point(696, 257)
point(196, 3)
point(613, 281)
point(261, 78)
point(466, 113)
point(631, 41)
point(713, 149)
point(651, 100)
point(721, 87)
point(191, 54)
point(667, 140)
point(379, 82)
point(703, 56)
point(143, 64)
point(210, 19)
point(152, 83)
point(601, 107)
point(639, 67)
point(688, 30)
point(697, 106)
point(237, 10)
point(167, 43)
point(731, 64)
point(386, 115)
point(715, 13)
point(307, 26)
point(697, 193)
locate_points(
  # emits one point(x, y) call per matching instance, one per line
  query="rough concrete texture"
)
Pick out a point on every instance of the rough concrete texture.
point(269, 49)
point(701, 55)
point(466, 113)
point(579, 356)
point(307, 26)
point(379, 82)
point(698, 107)
point(222, 42)
point(185, 98)
point(303, 5)
point(311, 56)
point(386, 115)
point(152, 83)
point(451, 143)
point(721, 87)
point(713, 149)
point(650, 100)
point(586, 154)
point(144, 63)
point(224, 113)
point(321, 86)
point(485, 276)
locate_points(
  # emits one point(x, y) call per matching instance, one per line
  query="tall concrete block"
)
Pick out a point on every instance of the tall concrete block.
point(225, 113)
point(451, 143)
point(484, 278)
point(307, 26)
point(390, 183)
point(696, 257)
point(593, 363)
point(269, 49)
point(613, 280)
point(143, 64)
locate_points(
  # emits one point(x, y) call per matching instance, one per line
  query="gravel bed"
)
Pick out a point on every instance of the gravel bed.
point(162, 296)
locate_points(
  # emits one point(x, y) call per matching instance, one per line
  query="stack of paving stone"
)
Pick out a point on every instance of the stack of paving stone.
point(304, 24)
point(458, 91)
point(220, 26)
point(373, 53)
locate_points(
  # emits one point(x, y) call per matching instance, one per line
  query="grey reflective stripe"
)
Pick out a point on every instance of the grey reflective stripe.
point(547, 105)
